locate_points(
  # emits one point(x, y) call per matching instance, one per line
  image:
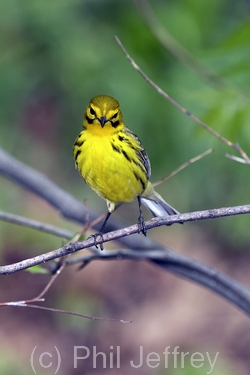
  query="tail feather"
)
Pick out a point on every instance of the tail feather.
point(159, 208)
point(156, 204)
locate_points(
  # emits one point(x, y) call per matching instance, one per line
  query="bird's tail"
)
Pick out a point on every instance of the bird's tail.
point(155, 203)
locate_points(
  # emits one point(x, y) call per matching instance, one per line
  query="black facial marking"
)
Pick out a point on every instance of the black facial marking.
point(115, 124)
point(89, 120)
point(114, 116)
point(92, 112)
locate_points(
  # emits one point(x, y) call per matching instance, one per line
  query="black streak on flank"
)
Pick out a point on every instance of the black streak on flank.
point(89, 120)
point(77, 154)
point(142, 184)
point(139, 164)
point(126, 155)
point(120, 138)
point(116, 149)
point(79, 143)
point(141, 181)
point(130, 144)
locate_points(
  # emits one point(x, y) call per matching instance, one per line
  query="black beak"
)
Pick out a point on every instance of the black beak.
point(103, 121)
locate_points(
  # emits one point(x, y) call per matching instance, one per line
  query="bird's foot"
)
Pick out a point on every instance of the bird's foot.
point(95, 236)
point(141, 225)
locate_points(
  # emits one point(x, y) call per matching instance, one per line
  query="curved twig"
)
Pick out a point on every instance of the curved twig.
point(182, 266)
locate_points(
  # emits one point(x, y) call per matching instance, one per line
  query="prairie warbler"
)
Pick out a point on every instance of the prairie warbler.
point(113, 162)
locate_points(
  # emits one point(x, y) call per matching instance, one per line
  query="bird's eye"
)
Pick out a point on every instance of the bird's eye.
point(92, 112)
point(114, 116)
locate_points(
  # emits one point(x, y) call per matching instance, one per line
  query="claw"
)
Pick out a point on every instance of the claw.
point(101, 232)
point(141, 226)
point(141, 222)
point(95, 239)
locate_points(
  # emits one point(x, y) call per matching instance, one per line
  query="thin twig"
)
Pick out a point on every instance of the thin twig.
point(53, 277)
point(236, 158)
point(31, 303)
point(68, 312)
point(186, 164)
point(236, 146)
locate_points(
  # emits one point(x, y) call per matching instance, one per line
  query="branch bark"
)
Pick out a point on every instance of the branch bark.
point(34, 224)
point(69, 207)
point(143, 248)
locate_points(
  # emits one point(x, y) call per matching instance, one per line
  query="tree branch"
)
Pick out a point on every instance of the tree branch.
point(164, 258)
point(182, 266)
point(125, 232)
point(34, 224)
point(69, 207)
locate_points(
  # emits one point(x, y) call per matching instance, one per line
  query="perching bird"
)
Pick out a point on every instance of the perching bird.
point(113, 162)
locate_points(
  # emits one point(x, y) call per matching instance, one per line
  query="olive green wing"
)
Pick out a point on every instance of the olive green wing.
point(134, 142)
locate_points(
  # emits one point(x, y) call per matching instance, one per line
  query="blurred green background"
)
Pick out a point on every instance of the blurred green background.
point(56, 55)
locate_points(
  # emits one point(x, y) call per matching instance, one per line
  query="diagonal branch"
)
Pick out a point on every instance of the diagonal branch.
point(181, 167)
point(34, 224)
point(235, 146)
point(124, 233)
point(180, 265)
point(67, 206)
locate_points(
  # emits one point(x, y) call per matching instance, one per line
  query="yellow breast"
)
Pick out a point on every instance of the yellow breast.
point(107, 171)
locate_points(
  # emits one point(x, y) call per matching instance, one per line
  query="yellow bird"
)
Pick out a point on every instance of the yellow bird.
point(113, 162)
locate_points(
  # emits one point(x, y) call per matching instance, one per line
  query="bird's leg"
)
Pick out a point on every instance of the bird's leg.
point(105, 222)
point(141, 223)
point(100, 233)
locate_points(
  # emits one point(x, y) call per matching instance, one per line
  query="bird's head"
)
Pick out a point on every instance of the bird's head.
point(103, 112)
